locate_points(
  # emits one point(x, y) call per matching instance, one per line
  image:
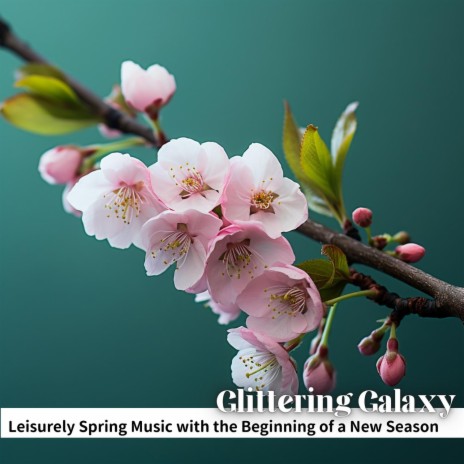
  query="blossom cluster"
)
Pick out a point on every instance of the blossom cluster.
point(219, 222)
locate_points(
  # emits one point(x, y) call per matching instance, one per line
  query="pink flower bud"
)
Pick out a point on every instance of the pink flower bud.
point(371, 344)
point(315, 342)
point(146, 90)
point(392, 365)
point(368, 346)
point(410, 253)
point(60, 164)
point(362, 217)
point(319, 373)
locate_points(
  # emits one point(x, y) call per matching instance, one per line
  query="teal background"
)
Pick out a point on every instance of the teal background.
point(80, 323)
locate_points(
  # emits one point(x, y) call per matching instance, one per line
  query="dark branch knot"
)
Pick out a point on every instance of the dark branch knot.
point(350, 230)
point(4, 32)
point(401, 307)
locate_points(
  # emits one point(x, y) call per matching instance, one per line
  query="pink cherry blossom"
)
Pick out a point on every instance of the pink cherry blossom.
point(181, 239)
point(392, 365)
point(226, 313)
point(319, 373)
point(188, 175)
point(60, 165)
point(238, 255)
point(282, 303)
point(146, 90)
point(261, 363)
point(116, 200)
point(259, 191)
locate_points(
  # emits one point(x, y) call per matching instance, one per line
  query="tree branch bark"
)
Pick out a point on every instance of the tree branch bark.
point(448, 299)
point(111, 117)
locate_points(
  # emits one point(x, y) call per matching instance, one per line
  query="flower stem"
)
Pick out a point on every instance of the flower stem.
point(369, 235)
point(393, 331)
point(328, 326)
point(351, 295)
point(159, 132)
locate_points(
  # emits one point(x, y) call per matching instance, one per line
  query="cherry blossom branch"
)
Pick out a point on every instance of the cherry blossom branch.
point(402, 307)
point(112, 118)
point(448, 300)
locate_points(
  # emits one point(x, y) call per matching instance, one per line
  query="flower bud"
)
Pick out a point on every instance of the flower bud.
point(401, 237)
point(60, 164)
point(392, 365)
point(410, 253)
point(379, 242)
point(371, 344)
point(319, 373)
point(315, 342)
point(362, 217)
point(368, 346)
point(146, 90)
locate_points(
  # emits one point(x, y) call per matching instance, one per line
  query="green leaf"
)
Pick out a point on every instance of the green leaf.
point(334, 291)
point(317, 164)
point(292, 149)
point(39, 69)
point(49, 87)
point(315, 202)
point(341, 140)
point(292, 145)
point(330, 276)
point(338, 259)
point(323, 273)
point(46, 116)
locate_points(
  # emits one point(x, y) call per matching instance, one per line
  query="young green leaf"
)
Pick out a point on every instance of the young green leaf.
point(341, 140)
point(49, 87)
point(338, 259)
point(292, 149)
point(292, 145)
point(39, 69)
point(334, 291)
point(321, 271)
point(315, 202)
point(317, 164)
point(325, 276)
point(46, 116)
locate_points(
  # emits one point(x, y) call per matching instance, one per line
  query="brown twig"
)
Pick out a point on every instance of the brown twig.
point(111, 117)
point(423, 307)
point(448, 300)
